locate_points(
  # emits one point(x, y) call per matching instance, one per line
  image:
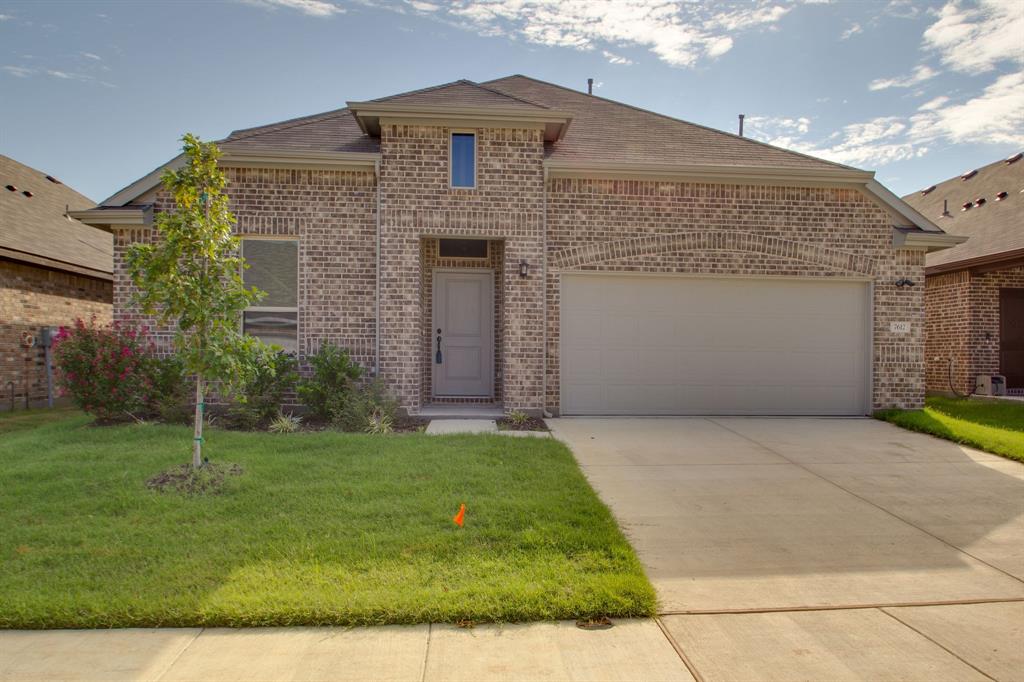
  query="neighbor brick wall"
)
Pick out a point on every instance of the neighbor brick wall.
point(31, 298)
point(418, 203)
point(963, 324)
point(753, 230)
point(947, 299)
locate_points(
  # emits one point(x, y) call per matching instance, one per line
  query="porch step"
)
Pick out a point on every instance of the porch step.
point(462, 411)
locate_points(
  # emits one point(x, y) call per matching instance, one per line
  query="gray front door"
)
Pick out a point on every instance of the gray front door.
point(463, 338)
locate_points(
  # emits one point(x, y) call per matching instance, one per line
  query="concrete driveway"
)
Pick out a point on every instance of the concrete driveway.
point(816, 547)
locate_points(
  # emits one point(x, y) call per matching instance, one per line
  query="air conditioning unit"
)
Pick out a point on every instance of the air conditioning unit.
point(990, 385)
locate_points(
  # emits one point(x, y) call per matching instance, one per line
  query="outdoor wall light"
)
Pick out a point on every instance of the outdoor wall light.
point(524, 268)
point(904, 282)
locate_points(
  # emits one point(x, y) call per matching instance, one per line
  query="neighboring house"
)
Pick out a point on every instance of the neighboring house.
point(974, 293)
point(519, 244)
point(53, 269)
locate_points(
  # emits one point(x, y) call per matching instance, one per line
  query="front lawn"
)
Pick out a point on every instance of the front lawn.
point(320, 528)
point(996, 427)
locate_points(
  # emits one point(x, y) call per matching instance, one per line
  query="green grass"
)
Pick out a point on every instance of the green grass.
point(321, 528)
point(996, 427)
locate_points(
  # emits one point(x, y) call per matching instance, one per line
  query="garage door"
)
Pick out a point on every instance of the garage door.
point(647, 345)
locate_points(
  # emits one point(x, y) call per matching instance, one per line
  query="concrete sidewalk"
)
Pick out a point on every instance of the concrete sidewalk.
point(630, 650)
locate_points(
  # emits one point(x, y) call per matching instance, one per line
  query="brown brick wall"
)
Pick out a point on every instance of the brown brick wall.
point(507, 204)
point(602, 225)
point(333, 216)
point(751, 230)
point(963, 324)
point(32, 298)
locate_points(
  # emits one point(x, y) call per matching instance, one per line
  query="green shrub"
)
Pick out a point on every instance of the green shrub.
point(368, 406)
point(172, 402)
point(285, 423)
point(334, 376)
point(110, 371)
point(261, 397)
point(518, 417)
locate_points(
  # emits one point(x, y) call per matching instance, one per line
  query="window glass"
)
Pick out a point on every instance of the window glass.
point(274, 327)
point(462, 248)
point(273, 268)
point(463, 160)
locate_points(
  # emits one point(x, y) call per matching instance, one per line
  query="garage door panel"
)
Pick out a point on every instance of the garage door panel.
point(664, 345)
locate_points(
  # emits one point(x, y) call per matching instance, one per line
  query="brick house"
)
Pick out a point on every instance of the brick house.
point(974, 292)
point(53, 269)
point(519, 245)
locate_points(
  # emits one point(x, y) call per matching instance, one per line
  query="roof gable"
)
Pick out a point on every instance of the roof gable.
point(462, 93)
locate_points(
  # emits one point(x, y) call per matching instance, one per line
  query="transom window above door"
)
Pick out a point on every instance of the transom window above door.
point(274, 269)
point(462, 160)
point(462, 248)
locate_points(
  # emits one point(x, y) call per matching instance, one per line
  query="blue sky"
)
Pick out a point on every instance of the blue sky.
point(98, 93)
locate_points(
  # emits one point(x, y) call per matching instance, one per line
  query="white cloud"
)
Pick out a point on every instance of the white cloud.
point(90, 55)
point(19, 71)
point(933, 104)
point(975, 40)
point(616, 58)
point(902, 9)
point(5, 17)
point(919, 75)
point(680, 34)
point(313, 8)
point(852, 31)
point(996, 116)
point(421, 6)
point(59, 74)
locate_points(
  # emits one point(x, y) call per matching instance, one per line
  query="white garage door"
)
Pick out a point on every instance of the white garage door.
point(650, 345)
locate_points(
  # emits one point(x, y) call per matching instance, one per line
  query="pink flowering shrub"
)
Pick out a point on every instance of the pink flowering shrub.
point(111, 372)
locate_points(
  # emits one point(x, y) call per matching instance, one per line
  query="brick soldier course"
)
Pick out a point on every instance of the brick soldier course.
point(565, 182)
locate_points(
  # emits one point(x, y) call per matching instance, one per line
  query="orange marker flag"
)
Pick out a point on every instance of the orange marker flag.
point(458, 518)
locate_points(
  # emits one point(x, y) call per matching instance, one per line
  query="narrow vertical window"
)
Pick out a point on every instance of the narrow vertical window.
point(463, 160)
point(273, 268)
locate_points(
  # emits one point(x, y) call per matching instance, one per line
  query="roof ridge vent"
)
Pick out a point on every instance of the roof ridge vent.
point(980, 201)
point(969, 174)
point(1002, 195)
point(1015, 158)
point(926, 190)
point(54, 180)
point(27, 194)
point(966, 206)
point(12, 188)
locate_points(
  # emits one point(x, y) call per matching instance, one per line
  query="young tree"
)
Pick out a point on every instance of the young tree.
point(191, 277)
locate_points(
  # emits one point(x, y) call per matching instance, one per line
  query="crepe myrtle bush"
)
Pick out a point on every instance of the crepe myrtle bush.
point(111, 372)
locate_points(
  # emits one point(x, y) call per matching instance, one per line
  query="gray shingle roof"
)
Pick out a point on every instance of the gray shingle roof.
point(36, 228)
point(602, 130)
point(994, 227)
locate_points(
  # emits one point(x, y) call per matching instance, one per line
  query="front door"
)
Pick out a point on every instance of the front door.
point(463, 338)
point(1011, 336)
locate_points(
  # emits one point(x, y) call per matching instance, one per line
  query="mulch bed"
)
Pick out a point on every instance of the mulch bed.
point(208, 480)
point(531, 424)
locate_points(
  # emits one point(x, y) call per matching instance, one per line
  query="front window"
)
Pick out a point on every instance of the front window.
point(273, 268)
point(463, 160)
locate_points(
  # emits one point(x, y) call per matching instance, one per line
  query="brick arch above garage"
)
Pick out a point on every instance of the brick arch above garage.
point(592, 254)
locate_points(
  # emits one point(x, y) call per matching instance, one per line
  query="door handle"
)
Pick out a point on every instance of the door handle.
point(438, 358)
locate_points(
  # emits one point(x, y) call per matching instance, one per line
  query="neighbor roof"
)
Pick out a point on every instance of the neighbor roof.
point(995, 225)
point(35, 229)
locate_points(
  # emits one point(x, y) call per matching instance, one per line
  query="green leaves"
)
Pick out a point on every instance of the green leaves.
point(190, 276)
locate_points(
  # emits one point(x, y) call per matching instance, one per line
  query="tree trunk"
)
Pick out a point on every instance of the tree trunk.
point(197, 441)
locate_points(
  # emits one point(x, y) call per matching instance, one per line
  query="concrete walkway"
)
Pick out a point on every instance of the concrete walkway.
point(818, 548)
